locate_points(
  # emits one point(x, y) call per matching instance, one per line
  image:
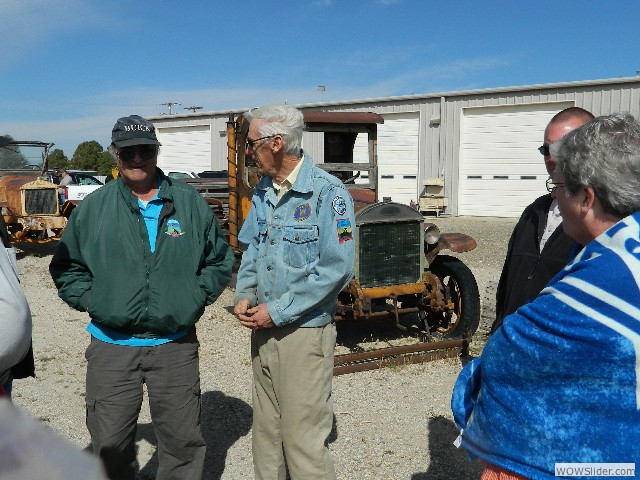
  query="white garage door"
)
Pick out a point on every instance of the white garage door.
point(501, 171)
point(397, 156)
point(185, 148)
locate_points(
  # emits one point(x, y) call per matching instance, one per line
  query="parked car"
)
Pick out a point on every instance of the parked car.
point(222, 174)
point(401, 271)
point(82, 184)
point(180, 174)
point(77, 177)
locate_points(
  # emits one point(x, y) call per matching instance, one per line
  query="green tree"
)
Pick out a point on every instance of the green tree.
point(91, 156)
point(87, 156)
point(57, 159)
point(106, 164)
point(10, 155)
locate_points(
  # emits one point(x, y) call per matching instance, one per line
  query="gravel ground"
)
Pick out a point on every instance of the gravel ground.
point(393, 423)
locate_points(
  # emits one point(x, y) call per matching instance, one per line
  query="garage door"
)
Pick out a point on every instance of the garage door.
point(501, 171)
point(397, 156)
point(185, 148)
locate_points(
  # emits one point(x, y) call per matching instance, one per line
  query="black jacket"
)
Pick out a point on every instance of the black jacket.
point(526, 270)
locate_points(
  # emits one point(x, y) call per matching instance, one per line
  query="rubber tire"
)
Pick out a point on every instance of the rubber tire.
point(454, 273)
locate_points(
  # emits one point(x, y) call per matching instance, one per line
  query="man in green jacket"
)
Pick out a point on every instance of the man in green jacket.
point(143, 255)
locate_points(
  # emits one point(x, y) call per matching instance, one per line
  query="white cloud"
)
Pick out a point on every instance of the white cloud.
point(101, 111)
point(425, 80)
point(27, 24)
point(65, 134)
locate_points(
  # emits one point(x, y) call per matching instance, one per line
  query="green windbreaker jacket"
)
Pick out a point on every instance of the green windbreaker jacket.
point(104, 265)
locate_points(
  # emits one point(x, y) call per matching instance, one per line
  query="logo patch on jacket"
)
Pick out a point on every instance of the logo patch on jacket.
point(302, 212)
point(344, 230)
point(173, 228)
point(339, 205)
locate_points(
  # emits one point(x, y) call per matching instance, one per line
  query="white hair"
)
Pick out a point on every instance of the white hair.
point(280, 120)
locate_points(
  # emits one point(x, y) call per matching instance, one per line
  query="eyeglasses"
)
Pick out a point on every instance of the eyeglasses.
point(544, 150)
point(552, 186)
point(251, 143)
point(145, 152)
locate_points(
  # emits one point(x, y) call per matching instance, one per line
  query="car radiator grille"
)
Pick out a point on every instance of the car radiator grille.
point(389, 254)
point(41, 201)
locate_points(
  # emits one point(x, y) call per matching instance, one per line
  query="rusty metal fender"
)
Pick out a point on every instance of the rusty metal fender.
point(455, 242)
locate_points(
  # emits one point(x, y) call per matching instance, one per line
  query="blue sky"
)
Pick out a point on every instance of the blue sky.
point(70, 68)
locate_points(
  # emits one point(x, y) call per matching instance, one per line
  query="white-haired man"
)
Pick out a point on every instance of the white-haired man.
point(299, 255)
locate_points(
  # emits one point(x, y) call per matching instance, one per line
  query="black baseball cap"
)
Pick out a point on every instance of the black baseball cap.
point(133, 130)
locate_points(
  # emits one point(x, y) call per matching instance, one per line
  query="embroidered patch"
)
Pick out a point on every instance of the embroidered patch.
point(173, 228)
point(302, 212)
point(339, 205)
point(344, 230)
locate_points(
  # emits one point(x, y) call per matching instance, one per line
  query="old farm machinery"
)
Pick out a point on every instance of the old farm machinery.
point(401, 274)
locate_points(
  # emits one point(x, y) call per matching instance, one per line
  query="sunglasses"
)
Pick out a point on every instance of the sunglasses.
point(544, 150)
point(251, 143)
point(145, 152)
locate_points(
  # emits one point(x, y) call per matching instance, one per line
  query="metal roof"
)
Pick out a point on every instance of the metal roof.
point(482, 91)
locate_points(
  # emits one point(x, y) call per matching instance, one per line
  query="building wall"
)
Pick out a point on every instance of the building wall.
point(440, 119)
point(217, 124)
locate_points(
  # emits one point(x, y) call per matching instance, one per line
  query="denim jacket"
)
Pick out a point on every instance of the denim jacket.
point(299, 251)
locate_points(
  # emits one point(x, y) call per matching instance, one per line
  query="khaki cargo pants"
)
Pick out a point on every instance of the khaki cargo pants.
point(292, 404)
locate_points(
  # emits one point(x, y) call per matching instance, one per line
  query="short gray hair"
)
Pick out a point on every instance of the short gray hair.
point(280, 120)
point(112, 149)
point(603, 154)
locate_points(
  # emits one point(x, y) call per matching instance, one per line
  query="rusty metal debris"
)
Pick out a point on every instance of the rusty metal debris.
point(402, 355)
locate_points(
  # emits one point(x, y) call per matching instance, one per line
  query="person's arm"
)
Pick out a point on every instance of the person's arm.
point(501, 290)
point(215, 272)
point(246, 281)
point(4, 233)
point(69, 269)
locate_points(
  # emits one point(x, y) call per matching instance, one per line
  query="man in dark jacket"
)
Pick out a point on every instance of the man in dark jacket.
point(538, 248)
point(143, 255)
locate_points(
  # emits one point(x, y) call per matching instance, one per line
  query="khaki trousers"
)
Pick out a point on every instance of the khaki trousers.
point(292, 404)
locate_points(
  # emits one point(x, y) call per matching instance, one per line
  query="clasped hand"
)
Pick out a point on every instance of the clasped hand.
point(253, 317)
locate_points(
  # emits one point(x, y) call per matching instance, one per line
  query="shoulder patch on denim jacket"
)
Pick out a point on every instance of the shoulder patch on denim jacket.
point(345, 232)
point(339, 205)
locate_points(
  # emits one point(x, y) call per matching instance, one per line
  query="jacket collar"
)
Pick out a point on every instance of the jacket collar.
point(164, 192)
point(303, 183)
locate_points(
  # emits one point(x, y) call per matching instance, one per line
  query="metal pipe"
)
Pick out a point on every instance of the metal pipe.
point(394, 361)
point(400, 350)
point(378, 315)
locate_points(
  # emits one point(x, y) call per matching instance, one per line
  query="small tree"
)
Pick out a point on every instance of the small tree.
point(87, 156)
point(57, 159)
point(106, 164)
point(91, 156)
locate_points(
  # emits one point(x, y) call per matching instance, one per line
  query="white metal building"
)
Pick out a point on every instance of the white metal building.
point(481, 142)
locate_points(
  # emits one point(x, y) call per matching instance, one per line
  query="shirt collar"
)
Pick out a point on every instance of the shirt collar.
point(290, 180)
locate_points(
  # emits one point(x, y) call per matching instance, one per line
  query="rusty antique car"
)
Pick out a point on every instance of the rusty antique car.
point(401, 274)
point(29, 202)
